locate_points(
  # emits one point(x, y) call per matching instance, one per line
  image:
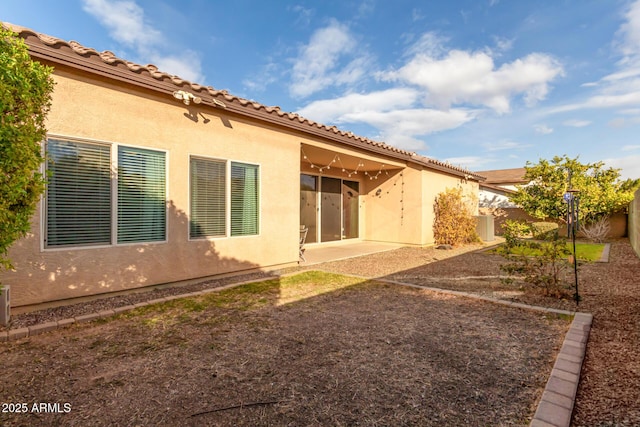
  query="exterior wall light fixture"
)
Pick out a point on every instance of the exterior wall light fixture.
point(186, 97)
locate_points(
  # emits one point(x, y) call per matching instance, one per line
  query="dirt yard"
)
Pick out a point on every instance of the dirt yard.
point(283, 352)
point(368, 355)
point(609, 391)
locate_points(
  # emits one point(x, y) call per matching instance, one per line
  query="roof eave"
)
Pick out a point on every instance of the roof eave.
point(56, 51)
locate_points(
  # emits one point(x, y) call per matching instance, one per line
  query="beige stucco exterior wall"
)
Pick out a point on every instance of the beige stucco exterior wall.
point(403, 211)
point(393, 214)
point(434, 183)
point(395, 207)
point(102, 111)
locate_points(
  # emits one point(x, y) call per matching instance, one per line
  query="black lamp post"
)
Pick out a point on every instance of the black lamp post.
point(573, 225)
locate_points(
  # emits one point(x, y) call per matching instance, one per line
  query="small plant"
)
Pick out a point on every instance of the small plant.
point(598, 230)
point(514, 232)
point(541, 230)
point(544, 273)
point(454, 222)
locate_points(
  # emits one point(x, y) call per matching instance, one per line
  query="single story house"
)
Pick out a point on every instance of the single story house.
point(154, 179)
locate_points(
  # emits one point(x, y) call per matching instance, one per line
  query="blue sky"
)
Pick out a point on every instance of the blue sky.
point(483, 84)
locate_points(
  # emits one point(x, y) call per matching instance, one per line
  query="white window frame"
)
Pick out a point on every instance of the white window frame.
point(227, 196)
point(114, 195)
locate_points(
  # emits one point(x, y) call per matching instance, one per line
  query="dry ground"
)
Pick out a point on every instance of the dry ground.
point(283, 353)
point(609, 392)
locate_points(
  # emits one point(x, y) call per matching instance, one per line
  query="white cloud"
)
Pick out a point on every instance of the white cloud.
point(630, 166)
point(304, 14)
point(576, 123)
point(542, 129)
point(429, 43)
point(126, 24)
point(620, 89)
point(124, 20)
point(502, 44)
point(318, 64)
point(630, 147)
point(391, 112)
point(402, 128)
point(186, 65)
point(617, 123)
point(603, 101)
point(417, 15)
point(434, 90)
point(332, 110)
point(263, 77)
point(367, 7)
point(470, 162)
point(621, 122)
point(631, 111)
point(462, 77)
point(414, 122)
point(504, 145)
point(630, 31)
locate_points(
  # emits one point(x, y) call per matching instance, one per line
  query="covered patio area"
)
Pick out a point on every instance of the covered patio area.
point(316, 254)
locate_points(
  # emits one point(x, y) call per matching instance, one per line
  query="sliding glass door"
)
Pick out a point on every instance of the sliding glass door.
point(350, 193)
point(329, 207)
point(309, 206)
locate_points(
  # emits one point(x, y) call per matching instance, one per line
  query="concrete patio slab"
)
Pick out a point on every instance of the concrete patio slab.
point(316, 254)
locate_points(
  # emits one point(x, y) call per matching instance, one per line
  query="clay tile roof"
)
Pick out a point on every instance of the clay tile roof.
point(50, 48)
point(504, 176)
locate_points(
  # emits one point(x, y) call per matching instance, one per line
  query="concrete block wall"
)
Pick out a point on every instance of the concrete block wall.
point(634, 223)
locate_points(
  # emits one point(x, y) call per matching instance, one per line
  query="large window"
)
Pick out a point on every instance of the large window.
point(141, 195)
point(80, 195)
point(208, 207)
point(244, 199)
point(212, 208)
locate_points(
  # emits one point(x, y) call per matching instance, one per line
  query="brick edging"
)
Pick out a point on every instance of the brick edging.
point(556, 405)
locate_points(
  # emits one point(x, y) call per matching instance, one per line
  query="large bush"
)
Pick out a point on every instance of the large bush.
point(25, 98)
point(454, 221)
point(600, 190)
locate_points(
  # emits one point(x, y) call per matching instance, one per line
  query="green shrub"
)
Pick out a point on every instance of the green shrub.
point(544, 273)
point(454, 223)
point(514, 231)
point(25, 97)
point(542, 230)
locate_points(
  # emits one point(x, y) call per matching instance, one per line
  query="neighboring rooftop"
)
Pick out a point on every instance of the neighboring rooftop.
point(504, 176)
point(73, 54)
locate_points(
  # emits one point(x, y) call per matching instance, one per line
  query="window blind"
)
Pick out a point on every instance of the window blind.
point(208, 205)
point(78, 202)
point(244, 199)
point(141, 195)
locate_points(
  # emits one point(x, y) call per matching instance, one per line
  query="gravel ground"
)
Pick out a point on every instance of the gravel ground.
point(609, 391)
point(364, 353)
point(393, 259)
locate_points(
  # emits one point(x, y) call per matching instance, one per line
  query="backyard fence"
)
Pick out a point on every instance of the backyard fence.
point(634, 223)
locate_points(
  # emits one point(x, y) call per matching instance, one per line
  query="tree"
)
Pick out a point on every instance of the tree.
point(25, 99)
point(600, 190)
